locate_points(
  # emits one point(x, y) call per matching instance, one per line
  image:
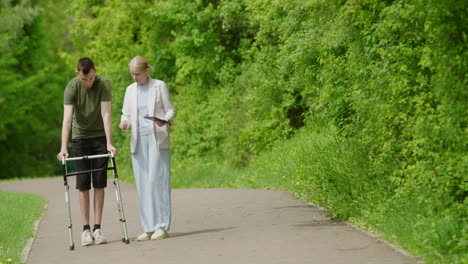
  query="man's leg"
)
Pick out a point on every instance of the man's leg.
point(84, 205)
point(98, 205)
point(99, 178)
point(83, 181)
point(86, 236)
point(99, 183)
point(83, 184)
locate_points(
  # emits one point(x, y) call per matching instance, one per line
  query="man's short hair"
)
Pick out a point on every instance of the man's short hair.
point(85, 65)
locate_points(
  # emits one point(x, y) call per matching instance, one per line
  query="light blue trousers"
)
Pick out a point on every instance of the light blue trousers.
point(151, 167)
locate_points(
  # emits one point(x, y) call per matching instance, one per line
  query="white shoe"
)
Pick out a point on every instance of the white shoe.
point(144, 236)
point(159, 234)
point(87, 238)
point(99, 237)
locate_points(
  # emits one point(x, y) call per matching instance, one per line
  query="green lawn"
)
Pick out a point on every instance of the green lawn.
point(18, 213)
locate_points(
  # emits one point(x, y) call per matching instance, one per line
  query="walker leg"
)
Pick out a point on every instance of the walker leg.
point(120, 208)
point(70, 231)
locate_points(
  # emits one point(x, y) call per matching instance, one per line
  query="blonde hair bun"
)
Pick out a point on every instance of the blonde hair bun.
point(140, 63)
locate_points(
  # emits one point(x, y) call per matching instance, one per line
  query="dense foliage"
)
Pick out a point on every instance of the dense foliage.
point(32, 80)
point(359, 105)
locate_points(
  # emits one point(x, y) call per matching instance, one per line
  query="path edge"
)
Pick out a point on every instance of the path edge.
point(28, 246)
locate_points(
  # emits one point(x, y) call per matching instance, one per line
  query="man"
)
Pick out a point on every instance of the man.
point(87, 109)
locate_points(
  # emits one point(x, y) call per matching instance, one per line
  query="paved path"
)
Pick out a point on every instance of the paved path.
point(209, 226)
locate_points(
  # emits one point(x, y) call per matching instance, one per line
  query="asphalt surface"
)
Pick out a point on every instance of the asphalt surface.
point(208, 226)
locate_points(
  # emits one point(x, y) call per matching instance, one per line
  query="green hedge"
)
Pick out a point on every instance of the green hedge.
point(33, 78)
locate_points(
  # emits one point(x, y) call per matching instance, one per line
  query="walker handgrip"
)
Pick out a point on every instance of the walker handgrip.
point(90, 157)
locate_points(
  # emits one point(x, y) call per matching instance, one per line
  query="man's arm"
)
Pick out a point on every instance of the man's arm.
point(106, 118)
point(66, 128)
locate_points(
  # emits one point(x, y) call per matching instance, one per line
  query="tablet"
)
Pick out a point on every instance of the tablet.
point(156, 119)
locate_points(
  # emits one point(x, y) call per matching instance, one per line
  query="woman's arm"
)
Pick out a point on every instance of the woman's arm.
point(167, 105)
point(125, 118)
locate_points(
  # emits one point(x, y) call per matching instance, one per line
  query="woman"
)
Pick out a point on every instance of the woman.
point(150, 147)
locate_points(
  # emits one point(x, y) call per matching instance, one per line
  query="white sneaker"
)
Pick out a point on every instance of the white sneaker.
point(87, 238)
point(99, 237)
point(159, 234)
point(144, 236)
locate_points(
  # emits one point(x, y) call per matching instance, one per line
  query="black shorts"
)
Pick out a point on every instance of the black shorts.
point(87, 147)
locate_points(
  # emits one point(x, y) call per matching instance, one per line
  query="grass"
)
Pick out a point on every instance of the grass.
point(18, 213)
point(206, 173)
point(435, 236)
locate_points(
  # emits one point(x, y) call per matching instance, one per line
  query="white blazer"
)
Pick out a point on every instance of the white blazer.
point(159, 105)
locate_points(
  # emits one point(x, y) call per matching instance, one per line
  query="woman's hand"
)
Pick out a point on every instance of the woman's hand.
point(160, 124)
point(123, 125)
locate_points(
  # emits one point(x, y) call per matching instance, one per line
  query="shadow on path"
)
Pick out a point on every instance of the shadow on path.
point(199, 232)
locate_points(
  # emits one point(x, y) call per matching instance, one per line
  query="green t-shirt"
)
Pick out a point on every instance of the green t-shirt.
point(87, 119)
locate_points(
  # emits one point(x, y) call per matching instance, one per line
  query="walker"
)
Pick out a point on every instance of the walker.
point(118, 195)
